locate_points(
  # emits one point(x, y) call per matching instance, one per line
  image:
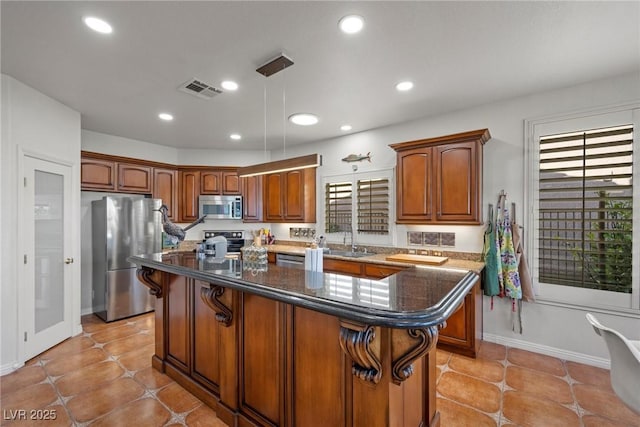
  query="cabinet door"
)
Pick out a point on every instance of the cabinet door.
point(134, 178)
point(230, 183)
point(294, 195)
point(165, 187)
point(97, 175)
point(210, 182)
point(177, 312)
point(456, 181)
point(206, 339)
point(376, 271)
point(352, 268)
point(252, 199)
point(273, 187)
point(189, 192)
point(414, 198)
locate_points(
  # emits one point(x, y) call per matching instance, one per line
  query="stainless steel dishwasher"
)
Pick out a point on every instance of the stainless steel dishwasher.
point(286, 260)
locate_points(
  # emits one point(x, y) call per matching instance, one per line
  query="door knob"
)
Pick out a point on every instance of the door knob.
point(68, 261)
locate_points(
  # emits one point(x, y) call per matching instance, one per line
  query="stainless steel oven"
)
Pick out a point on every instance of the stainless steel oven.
point(235, 239)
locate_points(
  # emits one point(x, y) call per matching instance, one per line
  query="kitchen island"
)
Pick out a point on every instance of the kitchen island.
point(288, 347)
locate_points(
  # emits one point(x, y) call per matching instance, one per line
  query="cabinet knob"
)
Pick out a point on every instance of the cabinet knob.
point(68, 260)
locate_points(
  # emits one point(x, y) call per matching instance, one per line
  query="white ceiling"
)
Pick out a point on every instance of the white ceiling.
point(458, 54)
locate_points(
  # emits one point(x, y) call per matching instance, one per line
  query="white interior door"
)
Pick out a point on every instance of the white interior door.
point(46, 287)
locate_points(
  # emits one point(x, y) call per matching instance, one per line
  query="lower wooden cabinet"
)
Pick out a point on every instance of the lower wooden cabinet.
point(463, 332)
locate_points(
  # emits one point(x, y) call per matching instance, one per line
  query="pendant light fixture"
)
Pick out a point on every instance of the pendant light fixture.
point(303, 162)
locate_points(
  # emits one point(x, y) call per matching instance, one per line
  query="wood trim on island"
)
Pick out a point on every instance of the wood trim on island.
point(267, 349)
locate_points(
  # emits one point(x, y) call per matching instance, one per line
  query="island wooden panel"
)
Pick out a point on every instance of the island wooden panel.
point(260, 362)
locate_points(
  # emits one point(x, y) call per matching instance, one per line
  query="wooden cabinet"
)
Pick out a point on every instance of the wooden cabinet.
point(439, 180)
point(210, 182)
point(359, 269)
point(177, 312)
point(219, 182)
point(230, 182)
point(290, 196)
point(463, 332)
point(134, 178)
point(252, 199)
point(97, 174)
point(165, 187)
point(189, 185)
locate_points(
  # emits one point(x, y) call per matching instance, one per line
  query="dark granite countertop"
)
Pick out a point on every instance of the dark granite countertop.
point(417, 297)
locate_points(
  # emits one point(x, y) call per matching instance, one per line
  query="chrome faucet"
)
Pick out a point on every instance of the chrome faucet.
point(344, 240)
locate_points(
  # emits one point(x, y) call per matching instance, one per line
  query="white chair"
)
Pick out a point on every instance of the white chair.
point(625, 364)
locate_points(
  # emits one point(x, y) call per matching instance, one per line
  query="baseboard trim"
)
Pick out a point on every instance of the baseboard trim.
point(86, 311)
point(10, 367)
point(549, 351)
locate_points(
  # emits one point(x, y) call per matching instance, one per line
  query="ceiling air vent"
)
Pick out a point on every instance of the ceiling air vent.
point(199, 89)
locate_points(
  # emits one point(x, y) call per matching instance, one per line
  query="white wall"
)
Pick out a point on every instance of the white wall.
point(561, 331)
point(36, 123)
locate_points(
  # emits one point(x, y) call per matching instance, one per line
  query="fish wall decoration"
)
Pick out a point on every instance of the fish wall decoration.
point(357, 158)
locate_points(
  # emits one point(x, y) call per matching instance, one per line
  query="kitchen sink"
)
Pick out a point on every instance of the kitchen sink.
point(349, 254)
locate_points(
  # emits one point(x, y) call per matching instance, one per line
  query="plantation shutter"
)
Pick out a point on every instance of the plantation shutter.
point(338, 202)
point(373, 206)
point(585, 209)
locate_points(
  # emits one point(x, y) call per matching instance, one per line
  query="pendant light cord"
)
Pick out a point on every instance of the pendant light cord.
point(284, 117)
point(265, 119)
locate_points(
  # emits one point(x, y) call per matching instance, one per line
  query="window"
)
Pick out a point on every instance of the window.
point(584, 241)
point(359, 203)
point(585, 209)
point(373, 206)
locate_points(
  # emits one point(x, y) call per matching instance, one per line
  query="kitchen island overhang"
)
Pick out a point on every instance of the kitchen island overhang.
point(350, 334)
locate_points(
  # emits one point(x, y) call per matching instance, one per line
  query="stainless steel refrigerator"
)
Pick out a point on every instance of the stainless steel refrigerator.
point(122, 226)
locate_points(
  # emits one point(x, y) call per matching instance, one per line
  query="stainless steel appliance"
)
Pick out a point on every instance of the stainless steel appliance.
point(122, 226)
point(220, 207)
point(286, 260)
point(235, 239)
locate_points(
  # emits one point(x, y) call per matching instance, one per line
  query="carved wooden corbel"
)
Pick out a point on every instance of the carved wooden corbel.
point(356, 340)
point(144, 276)
point(402, 367)
point(211, 296)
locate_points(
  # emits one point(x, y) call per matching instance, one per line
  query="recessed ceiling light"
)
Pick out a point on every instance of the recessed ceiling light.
point(404, 86)
point(98, 25)
point(165, 116)
point(303, 119)
point(235, 136)
point(345, 127)
point(229, 85)
point(351, 24)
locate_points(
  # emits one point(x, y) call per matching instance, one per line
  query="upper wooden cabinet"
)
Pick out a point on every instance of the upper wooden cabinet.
point(134, 178)
point(219, 182)
point(439, 180)
point(165, 187)
point(189, 190)
point(290, 196)
point(97, 174)
point(252, 199)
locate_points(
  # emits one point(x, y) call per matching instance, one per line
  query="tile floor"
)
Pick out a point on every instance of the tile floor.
point(103, 377)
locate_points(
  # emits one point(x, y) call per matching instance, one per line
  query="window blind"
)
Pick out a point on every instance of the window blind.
point(373, 206)
point(585, 208)
point(338, 206)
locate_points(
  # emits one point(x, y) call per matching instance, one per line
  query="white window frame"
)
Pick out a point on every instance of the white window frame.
point(592, 119)
point(362, 238)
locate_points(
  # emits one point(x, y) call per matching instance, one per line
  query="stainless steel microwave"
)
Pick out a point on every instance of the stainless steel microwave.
point(220, 207)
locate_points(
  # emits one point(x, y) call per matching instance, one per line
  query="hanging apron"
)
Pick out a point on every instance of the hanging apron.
point(490, 258)
point(508, 259)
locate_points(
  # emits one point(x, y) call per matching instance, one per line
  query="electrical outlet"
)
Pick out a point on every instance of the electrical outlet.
point(425, 252)
point(437, 253)
point(412, 251)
